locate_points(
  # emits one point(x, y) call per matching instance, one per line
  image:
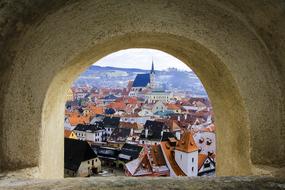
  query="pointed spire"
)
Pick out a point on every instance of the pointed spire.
point(152, 68)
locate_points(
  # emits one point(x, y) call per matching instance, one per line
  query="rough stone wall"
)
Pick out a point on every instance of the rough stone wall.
point(125, 183)
point(235, 47)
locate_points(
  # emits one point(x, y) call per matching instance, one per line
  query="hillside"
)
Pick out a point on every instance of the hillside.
point(118, 77)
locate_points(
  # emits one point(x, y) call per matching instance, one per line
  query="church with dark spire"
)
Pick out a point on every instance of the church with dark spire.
point(143, 82)
point(152, 75)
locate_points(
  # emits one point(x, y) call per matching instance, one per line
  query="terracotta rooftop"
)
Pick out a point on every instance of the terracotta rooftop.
point(67, 133)
point(128, 125)
point(201, 160)
point(78, 119)
point(157, 155)
point(187, 143)
point(169, 155)
point(172, 107)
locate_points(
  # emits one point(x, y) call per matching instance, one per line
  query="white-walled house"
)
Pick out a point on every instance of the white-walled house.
point(206, 165)
point(93, 133)
point(110, 124)
point(145, 113)
point(158, 107)
point(79, 159)
point(159, 95)
point(135, 119)
point(186, 154)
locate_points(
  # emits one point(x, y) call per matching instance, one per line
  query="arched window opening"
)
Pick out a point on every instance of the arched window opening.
point(139, 112)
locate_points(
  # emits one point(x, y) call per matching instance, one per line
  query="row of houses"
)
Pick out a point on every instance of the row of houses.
point(156, 150)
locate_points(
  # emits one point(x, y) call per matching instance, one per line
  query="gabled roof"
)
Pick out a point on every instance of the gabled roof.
point(201, 160)
point(140, 166)
point(154, 130)
point(172, 107)
point(170, 159)
point(75, 119)
point(120, 105)
point(107, 152)
point(166, 136)
point(187, 143)
point(92, 127)
point(110, 97)
point(129, 125)
point(112, 122)
point(120, 134)
point(141, 80)
point(130, 151)
point(157, 155)
point(75, 152)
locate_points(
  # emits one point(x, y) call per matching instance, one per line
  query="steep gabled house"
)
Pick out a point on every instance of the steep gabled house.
point(139, 167)
point(173, 107)
point(79, 159)
point(119, 137)
point(157, 161)
point(186, 154)
point(94, 133)
point(168, 148)
point(107, 155)
point(128, 153)
point(152, 133)
point(206, 165)
point(110, 124)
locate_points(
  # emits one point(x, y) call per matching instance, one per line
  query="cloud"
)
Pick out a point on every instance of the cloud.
point(142, 58)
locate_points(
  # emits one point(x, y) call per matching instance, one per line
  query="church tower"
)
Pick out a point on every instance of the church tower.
point(152, 73)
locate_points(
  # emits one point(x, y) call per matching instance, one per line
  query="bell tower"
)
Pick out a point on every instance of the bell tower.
point(152, 73)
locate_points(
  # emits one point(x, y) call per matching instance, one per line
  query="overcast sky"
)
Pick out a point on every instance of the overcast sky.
point(141, 58)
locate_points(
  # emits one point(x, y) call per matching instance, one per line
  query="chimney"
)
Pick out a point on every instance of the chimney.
point(132, 132)
point(178, 135)
point(146, 132)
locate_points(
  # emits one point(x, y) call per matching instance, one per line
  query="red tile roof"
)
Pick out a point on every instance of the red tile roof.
point(201, 160)
point(169, 153)
point(187, 143)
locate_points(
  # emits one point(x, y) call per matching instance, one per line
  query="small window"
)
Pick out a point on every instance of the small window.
point(207, 165)
point(180, 156)
point(88, 162)
point(192, 159)
point(92, 162)
point(192, 169)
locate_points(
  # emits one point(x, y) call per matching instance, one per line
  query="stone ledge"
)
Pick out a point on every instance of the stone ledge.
point(127, 183)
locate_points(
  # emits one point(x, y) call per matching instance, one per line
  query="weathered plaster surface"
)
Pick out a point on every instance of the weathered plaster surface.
point(235, 47)
point(119, 183)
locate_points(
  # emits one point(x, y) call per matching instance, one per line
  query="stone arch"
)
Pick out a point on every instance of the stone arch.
point(224, 52)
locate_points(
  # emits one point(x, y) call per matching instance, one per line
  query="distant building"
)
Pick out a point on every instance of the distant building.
point(69, 95)
point(152, 108)
point(142, 82)
point(118, 137)
point(110, 124)
point(153, 132)
point(94, 133)
point(128, 153)
point(159, 95)
point(139, 167)
point(107, 155)
point(79, 159)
